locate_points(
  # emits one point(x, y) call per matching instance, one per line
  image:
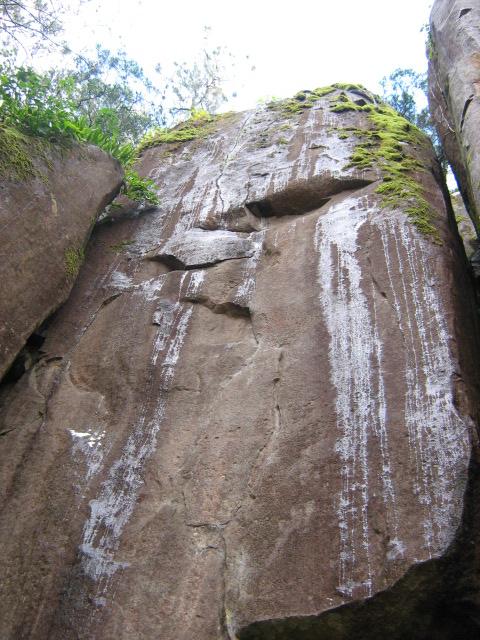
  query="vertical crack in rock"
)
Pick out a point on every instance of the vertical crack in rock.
point(266, 453)
point(468, 102)
point(304, 165)
point(228, 201)
point(111, 510)
point(247, 288)
point(438, 437)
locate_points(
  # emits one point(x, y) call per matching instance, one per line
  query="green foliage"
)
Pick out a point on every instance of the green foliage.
point(15, 155)
point(31, 110)
point(112, 93)
point(430, 44)
point(121, 247)
point(139, 189)
point(29, 104)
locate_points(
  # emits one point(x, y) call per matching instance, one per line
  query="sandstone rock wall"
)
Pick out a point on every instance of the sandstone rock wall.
point(255, 413)
point(45, 219)
point(454, 91)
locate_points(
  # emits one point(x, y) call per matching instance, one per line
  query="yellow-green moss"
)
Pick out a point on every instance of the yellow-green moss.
point(121, 246)
point(15, 160)
point(195, 127)
point(385, 145)
point(74, 257)
point(19, 151)
point(306, 99)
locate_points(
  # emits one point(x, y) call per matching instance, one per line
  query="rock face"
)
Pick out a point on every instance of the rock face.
point(44, 221)
point(253, 418)
point(454, 92)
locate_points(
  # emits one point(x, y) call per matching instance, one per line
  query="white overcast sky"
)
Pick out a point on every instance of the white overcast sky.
point(293, 46)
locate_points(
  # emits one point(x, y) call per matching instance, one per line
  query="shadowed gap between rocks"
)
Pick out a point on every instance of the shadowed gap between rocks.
point(32, 352)
point(465, 109)
point(26, 359)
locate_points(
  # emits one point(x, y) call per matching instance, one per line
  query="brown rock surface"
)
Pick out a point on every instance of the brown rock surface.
point(41, 219)
point(255, 421)
point(454, 91)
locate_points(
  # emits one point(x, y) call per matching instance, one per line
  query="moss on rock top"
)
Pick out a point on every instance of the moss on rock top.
point(387, 144)
point(195, 127)
point(17, 151)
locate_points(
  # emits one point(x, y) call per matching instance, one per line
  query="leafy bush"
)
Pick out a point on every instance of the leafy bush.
point(29, 103)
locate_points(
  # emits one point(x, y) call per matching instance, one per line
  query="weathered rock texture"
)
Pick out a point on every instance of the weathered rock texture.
point(44, 222)
point(254, 419)
point(454, 91)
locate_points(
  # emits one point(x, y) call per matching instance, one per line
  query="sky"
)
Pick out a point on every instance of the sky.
point(279, 49)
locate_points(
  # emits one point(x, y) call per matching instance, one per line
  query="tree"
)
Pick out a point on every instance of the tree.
point(31, 24)
point(403, 90)
point(199, 87)
point(112, 92)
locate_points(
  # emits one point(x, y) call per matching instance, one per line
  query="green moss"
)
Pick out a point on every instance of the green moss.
point(189, 130)
point(282, 141)
point(196, 127)
point(301, 96)
point(74, 257)
point(18, 152)
point(306, 99)
point(121, 246)
point(345, 103)
point(385, 145)
point(15, 156)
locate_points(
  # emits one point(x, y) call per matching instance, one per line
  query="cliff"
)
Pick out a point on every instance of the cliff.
point(453, 88)
point(254, 415)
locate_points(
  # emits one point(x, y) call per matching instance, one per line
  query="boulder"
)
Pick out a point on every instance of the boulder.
point(454, 92)
point(48, 205)
point(255, 415)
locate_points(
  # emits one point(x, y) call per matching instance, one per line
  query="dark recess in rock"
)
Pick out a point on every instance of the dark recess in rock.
point(28, 356)
point(301, 198)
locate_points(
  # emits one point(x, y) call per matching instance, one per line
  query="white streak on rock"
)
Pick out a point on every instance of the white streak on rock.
point(119, 280)
point(196, 281)
point(304, 164)
point(111, 510)
point(91, 444)
point(282, 178)
point(352, 351)
point(438, 437)
point(395, 547)
point(247, 288)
